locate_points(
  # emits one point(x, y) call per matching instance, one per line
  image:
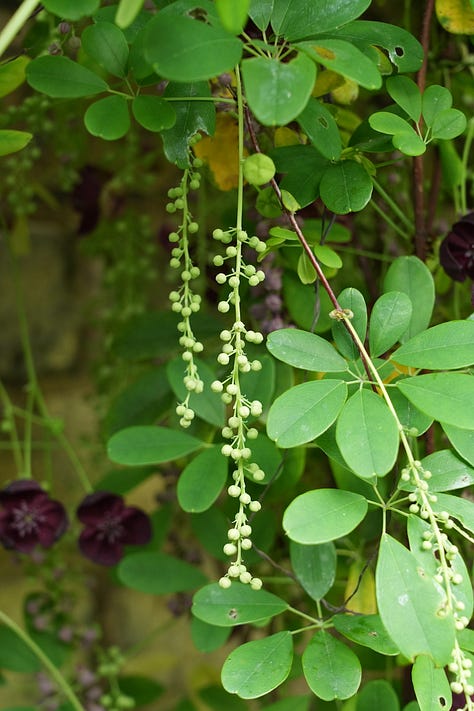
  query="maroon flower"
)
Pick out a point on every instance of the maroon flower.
point(109, 526)
point(456, 253)
point(28, 517)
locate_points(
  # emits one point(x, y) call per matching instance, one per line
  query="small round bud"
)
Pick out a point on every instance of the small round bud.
point(233, 489)
point(221, 278)
point(456, 687)
point(223, 359)
point(234, 571)
point(255, 506)
point(234, 282)
point(232, 389)
point(245, 499)
point(233, 534)
point(231, 251)
point(259, 475)
point(226, 398)
point(218, 261)
point(173, 237)
point(246, 544)
point(226, 450)
point(254, 280)
point(225, 583)
point(217, 386)
point(246, 530)
point(193, 227)
point(252, 433)
point(230, 549)
point(225, 335)
point(244, 411)
point(256, 584)
point(223, 307)
point(218, 234)
point(245, 577)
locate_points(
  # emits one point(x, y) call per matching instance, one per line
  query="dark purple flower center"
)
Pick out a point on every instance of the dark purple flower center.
point(26, 519)
point(110, 529)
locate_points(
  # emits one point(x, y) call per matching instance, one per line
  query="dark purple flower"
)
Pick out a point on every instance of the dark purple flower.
point(456, 253)
point(28, 517)
point(109, 525)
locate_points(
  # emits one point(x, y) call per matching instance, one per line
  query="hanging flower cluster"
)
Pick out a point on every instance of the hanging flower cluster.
point(30, 518)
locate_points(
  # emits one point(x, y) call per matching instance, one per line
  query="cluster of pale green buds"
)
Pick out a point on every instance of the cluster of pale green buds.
point(183, 300)
point(461, 666)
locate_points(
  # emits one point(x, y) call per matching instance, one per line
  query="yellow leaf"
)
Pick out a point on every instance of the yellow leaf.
point(364, 600)
point(221, 153)
point(347, 93)
point(456, 16)
point(285, 136)
point(326, 82)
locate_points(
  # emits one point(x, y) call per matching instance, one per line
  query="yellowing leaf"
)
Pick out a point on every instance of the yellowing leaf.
point(326, 82)
point(220, 152)
point(456, 16)
point(285, 136)
point(363, 601)
point(347, 93)
point(325, 53)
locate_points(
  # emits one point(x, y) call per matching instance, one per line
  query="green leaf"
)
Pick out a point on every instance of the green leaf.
point(260, 12)
point(344, 58)
point(377, 694)
point(233, 14)
point(366, 630)
point(412, 276)
point(457, 507)
point(12, 141)
point(277, 92)
point(127, 11)
point(142, 689)
point(141, 403)
point(350, 299)
point(216, 698)
point(202, 480)
point(405, 138)
point(305, 411)
point(158, 574)
point(409, 415)
point(403, 49)
point(314, 567)
point(367, 435)
point(108, 118)
point(12, 74)
point(305, 306)
point(258, 169)
point(186, 50)
point(303, 168)
point(153, 112)
point(451, 165)
point(345, 187)
point(462, 441)
point(107, 46)
point(72, 9)
point(191, 118)
point(331, 669)
point(446, 397)
point(296, 19)
point(448, 124)
point(431, 686)
point(268, 458)
point(435, 100)
point(448, 472)
point(305, 350)
point(258, 667)
point(60, 77)
point(406, 94)
point(305, 270)
point(409, 603)
point(323, 515)
point(321, 128)
point(260, 384)
point(443, 347)
point(208, 404)
point(327, 256)
point(237, 605)
point(390, 318)
point(140, 445)
point(15, 655)
point(207, 638)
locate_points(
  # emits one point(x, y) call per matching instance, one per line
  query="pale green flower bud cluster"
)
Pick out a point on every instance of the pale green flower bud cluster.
point(461, 667)
point(237, 431)
point(183, 299)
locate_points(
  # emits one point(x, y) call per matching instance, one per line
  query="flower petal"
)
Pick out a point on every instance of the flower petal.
point(99, 550)
point(137, 526)
point(96, 506)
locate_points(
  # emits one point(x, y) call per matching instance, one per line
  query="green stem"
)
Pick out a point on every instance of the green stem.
point(15, 442)
point(393, 206)
point(465, 162)
point(16, 22)
point(45, 661)
point(389, 220)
